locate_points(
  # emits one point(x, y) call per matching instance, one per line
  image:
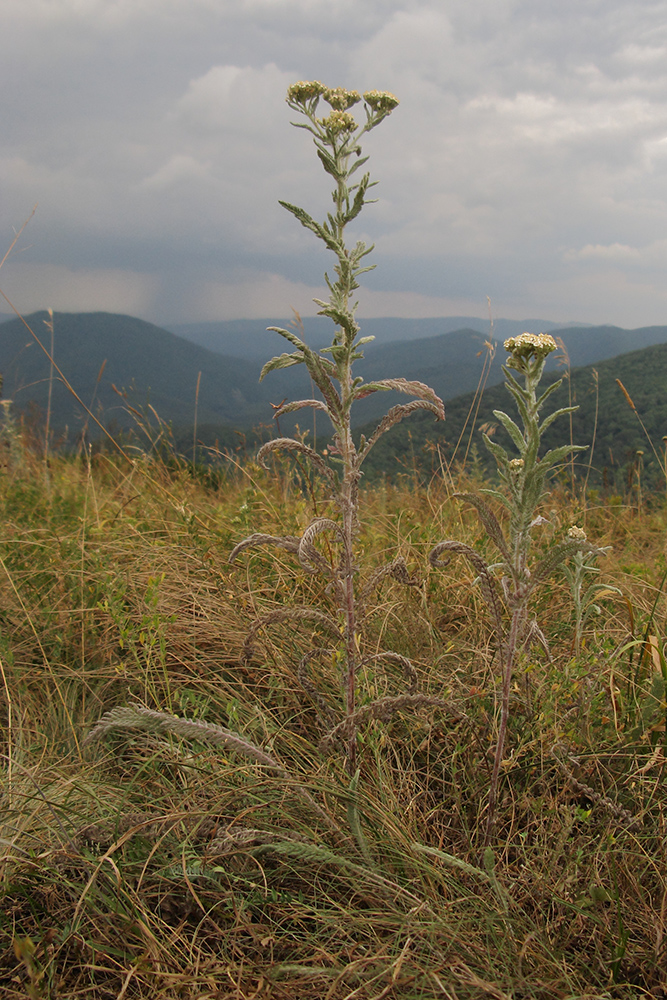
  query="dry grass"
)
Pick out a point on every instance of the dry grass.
point(147, 866)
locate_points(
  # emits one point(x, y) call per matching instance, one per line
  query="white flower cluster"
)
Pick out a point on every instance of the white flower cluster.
point(516, 464)
point(539, 344)
point(577, 533)
point(305, 90)
point(339, 121)
point(306, 94)
point(341, 99)
point(381, 100)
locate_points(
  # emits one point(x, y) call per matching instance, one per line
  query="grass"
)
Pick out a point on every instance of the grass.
point(148, 865)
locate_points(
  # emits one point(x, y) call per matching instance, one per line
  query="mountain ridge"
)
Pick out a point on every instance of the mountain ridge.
point(160, 367)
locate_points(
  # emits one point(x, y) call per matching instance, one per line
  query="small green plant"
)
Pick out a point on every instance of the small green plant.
point(10, 437)
point(583, 590)
point(337, 136)
point(524, 479)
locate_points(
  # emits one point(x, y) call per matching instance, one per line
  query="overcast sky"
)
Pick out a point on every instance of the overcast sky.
point(527, 161)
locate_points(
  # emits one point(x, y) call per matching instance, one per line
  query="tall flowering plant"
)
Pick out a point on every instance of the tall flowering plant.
point(523, 479)
point(336, 136)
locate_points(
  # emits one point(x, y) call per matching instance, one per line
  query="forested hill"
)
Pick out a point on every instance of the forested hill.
point(604, 421)
point(250, 338)
point(96, 351)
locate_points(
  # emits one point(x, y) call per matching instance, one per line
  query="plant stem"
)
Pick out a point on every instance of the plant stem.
point(507, 654)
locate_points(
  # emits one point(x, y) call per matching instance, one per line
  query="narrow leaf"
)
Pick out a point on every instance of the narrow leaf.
point(489, 522)
point(288, 542)
point(281, 361)
point(511, 428)
point(289, 444)
point(547, 422)
point(394, 416)
point(488, 585)
point(558, 554)
point(315, 404)
point(556, 455)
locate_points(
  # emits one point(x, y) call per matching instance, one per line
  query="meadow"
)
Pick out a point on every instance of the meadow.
point(146, 864)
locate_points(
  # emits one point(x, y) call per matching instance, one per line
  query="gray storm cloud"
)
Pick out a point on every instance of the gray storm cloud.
point(527, 160)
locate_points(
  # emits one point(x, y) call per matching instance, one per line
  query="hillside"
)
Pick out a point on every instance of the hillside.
point(152, 364)
point(452, 363)
point(249, 338)
point(158, 367)
point(162, 367)
point(614, 436)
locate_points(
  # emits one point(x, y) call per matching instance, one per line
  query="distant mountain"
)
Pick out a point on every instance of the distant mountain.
point(604, 421)
point(450, 361)
point(249, 338)
point(96, 351)
point(158, 367)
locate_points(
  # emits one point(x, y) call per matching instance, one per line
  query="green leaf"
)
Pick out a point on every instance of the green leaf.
point(358, 202)
point(545, 395)
point(556, 455)
point(328, 163)
point(281, 361)
point(522, 406)
point(511, 429)
point(547, 422)
point(500, 497)
point(357, 164)
point(498, 452)
point(557, 555)
point(315, 227)
point(289, 335)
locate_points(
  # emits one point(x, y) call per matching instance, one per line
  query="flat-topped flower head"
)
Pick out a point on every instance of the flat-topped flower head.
point(516, 465)
point(530, 344)
point(338, 121)
point(381, 100)
point(578, 534)
point(305, 90)
point(341, 99)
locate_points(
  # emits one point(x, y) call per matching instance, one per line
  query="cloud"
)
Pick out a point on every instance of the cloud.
point(178, 169)
point(530, 145)
point(613, 252)
point(89, 290)
point(256, 296)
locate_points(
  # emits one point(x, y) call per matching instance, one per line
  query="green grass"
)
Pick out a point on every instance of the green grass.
point(147, 866)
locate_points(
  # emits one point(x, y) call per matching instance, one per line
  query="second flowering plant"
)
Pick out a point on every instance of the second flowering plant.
point(523, 481)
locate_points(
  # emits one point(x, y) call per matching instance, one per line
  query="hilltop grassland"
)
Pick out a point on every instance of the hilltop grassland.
point(147, 864)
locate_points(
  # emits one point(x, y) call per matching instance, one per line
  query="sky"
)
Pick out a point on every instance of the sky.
point(526, 163)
